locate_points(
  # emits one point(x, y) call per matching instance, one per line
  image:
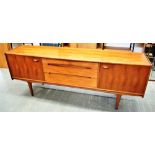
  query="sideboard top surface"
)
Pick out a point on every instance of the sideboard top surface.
point(81, 54)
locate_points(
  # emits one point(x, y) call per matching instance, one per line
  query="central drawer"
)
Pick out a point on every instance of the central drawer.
point(85, 69)
point(71, 80)
point(72, 73)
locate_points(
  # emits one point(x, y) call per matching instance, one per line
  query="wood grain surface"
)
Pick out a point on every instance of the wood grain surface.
point(81, 54)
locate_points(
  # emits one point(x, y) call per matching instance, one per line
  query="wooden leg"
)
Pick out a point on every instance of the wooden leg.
point(118, 98)
point(30, 87)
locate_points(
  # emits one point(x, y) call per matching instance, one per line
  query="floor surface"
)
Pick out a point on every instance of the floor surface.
point(15, 96)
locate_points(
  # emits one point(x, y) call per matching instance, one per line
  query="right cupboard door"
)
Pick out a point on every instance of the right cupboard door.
point(124, 78)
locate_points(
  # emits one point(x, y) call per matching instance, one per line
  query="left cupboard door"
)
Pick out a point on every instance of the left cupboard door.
point(25, 67)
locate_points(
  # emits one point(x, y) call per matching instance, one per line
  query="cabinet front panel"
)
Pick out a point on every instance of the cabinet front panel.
point(125, 78)
point(25, 67)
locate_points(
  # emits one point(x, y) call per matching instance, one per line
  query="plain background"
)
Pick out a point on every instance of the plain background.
point(111, 21)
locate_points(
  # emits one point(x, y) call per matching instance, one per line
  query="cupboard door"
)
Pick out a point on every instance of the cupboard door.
point(25, 67)
point(124, 78)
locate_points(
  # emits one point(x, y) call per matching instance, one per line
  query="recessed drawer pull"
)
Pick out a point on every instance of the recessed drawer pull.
point(70, 75)
point(68, 65)
point(35, 60)
point(105, 67)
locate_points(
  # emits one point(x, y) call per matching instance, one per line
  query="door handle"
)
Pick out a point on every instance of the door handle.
point(105, 67)
point(35, 60)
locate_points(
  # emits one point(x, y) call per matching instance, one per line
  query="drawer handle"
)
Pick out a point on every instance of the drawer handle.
point(70, 75)
point(105, 67)
point(68, 65)
point(35, 60)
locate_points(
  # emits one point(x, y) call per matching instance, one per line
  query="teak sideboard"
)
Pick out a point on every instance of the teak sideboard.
point(113, 71)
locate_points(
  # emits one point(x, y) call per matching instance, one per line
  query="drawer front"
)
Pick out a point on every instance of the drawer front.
point(91, 65)
point(86, 69)
point(71, 80)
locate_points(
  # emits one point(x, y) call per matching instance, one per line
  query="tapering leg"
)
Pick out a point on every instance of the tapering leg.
point(118, 98)
point(30, 87)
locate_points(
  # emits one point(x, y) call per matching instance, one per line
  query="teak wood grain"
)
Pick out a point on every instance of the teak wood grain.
point(25, 67)
point(71, 80)
point(81, 54)
point(111, 71)
point(85, 69)
point(125, 78)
